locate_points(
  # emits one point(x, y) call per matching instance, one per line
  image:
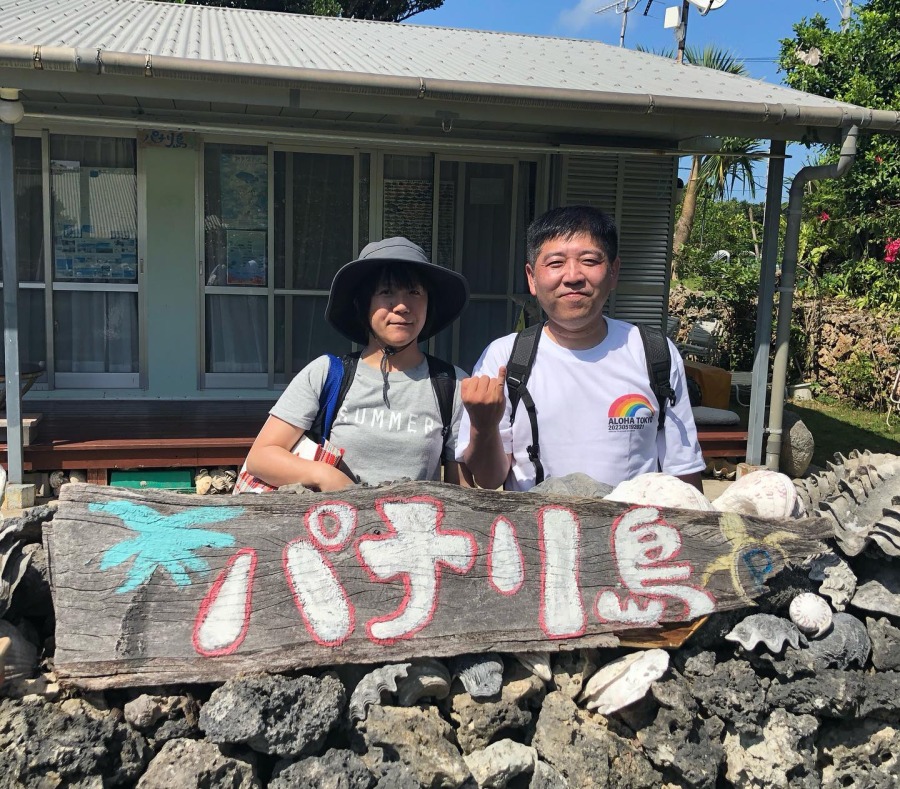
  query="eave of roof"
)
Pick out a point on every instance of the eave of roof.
point(83, 42)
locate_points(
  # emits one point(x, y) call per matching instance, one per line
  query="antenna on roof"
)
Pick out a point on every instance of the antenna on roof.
point(623, 7)
point(677, 18)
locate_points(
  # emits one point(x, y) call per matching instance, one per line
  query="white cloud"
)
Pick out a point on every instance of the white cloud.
point(584, 14)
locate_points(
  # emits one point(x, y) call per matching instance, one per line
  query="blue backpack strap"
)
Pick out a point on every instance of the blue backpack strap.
point(330, 397)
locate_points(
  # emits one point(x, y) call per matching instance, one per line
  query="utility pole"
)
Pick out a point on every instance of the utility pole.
point(845, 14)
point(682, 31)
point(845, 7)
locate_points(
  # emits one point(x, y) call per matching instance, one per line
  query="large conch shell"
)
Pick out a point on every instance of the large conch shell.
point(764, 493)
point(624, 681)
point(660, 490)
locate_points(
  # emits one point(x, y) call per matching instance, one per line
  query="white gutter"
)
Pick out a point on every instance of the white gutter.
point(100, 62)
point(788, 276)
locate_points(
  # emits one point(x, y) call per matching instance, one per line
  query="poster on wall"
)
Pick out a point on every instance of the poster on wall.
point(244, 189)
point(245, 252)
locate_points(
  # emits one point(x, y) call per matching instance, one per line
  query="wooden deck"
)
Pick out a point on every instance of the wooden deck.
point(100, 435)
point(106, 434)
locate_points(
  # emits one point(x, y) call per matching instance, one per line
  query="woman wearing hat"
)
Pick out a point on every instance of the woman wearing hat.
point(389, 425)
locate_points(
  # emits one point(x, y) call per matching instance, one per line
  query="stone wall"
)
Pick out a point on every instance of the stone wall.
point(753, 699)
point(850, 354)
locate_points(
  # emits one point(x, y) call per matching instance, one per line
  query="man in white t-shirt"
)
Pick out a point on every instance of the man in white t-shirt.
point(596, 411)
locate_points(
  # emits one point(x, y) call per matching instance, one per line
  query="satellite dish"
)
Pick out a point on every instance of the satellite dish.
point(706, 6)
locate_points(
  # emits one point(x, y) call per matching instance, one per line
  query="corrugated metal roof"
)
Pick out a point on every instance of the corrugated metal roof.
point(373, 48)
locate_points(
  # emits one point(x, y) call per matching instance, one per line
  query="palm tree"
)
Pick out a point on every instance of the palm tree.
point(714, 175)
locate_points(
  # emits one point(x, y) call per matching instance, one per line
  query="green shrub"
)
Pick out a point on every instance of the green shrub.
point(858, 378)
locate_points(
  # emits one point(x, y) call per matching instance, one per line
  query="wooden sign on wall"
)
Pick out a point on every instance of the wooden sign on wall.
point(154, 587)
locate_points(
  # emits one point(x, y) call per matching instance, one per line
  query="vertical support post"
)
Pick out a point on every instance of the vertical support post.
point(845, 14)
point(682, 31)
point(10, 307)
point(765, 301)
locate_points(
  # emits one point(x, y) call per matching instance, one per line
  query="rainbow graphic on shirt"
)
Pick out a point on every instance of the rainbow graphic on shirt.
point(630, 412)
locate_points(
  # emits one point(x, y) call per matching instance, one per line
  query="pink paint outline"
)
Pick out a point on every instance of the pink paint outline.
point(407, 587)
point(490, 561)
point(642, 605)
point(213, 594)
point(647, 591)
point(351, 612)
point(315, 536)
point(542, 609)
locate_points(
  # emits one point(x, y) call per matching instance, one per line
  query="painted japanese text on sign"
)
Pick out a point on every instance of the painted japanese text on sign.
point(378, 572)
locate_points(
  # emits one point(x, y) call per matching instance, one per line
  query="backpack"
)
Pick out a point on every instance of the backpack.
point(521, 360)
point(341, 371)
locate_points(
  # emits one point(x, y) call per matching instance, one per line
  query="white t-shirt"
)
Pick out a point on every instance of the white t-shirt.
point(596, 412)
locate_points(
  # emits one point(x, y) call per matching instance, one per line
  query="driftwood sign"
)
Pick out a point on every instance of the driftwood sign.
point(155, 587)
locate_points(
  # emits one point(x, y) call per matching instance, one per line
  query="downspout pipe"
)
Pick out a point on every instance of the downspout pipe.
point(788, 279)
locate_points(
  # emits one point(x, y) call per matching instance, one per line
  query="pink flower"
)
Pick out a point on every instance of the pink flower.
point(891, 250)
point(823, 217)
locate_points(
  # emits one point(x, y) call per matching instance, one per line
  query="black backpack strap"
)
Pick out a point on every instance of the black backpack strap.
point(337, 384)
point(443, 380)
point(659, 368)
point(518, 369)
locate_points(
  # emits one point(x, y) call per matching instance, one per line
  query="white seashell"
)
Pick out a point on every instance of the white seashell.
point(13, 563)
point(370, 688)
point(426, 678)
point(764, 493)
point(660, 490)
point(811, 614)
point(847, 643)
point(538, 663)
point(624, 681)
point(838, 583)
point(481, 675)
point(773, 631)
point(18, 656)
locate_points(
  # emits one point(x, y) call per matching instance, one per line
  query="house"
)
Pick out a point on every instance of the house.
point(188, 179)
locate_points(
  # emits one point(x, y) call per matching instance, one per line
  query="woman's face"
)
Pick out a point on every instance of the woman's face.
point(397, 312)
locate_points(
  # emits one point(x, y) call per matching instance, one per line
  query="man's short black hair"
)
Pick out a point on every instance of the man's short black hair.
point(572, 220)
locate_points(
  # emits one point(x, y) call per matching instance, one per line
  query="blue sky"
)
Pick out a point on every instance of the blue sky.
point(751, 29)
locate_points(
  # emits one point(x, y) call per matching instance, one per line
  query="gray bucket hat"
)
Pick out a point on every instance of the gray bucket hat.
point(448, 296)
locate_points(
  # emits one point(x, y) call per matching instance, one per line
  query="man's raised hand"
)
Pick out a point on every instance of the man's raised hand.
point(485, 399)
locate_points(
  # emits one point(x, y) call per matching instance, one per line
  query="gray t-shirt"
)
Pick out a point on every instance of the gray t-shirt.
point(380, 444)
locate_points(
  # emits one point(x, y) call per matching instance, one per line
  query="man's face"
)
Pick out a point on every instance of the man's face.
point(572, 279)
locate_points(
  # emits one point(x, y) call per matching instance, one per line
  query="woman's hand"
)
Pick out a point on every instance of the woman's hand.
point(328, 478)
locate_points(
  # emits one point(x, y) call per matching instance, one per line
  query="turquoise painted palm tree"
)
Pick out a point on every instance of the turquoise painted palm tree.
point(168, 542)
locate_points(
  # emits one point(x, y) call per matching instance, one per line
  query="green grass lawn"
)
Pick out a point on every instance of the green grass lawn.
point(840, 428)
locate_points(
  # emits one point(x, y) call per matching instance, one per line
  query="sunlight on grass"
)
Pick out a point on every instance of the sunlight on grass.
point(840, 428)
